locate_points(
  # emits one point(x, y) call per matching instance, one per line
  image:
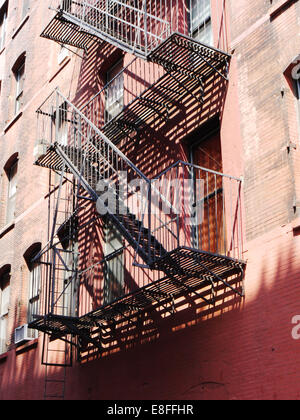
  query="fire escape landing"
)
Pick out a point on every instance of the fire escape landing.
point(191, 280)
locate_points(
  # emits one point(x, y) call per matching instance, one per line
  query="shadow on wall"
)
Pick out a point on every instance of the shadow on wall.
point(160, 320)
point(237, 349)
point(160, 143)
point(21, 374)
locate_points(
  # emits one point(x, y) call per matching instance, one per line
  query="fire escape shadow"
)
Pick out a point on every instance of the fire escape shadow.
point(161, 320)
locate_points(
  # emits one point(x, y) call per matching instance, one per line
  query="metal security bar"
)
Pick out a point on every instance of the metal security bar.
point(139, 26)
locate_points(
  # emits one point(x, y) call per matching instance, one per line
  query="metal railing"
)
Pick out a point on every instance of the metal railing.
point(204, 213)
point(128, 24)
point(139, 26)
point(185, 206)
point(97, 163)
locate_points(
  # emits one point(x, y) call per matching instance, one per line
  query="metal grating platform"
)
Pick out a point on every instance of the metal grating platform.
point(184, 55)
point(51, 160)
point(186, 261)
point(188, 65)
point(188, 278)
point(63, 31)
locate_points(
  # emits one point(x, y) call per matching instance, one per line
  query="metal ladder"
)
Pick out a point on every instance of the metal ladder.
point(57, 357)
point(57, 354)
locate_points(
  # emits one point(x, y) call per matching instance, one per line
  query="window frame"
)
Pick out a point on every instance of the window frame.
point(114, 104)
point(202, 28)
point(3, 25)
point(19, 73)
point(114, 259)
point(4, 285)
point(12, 175)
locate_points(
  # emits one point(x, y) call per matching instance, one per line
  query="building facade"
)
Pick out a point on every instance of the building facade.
point(149, 199)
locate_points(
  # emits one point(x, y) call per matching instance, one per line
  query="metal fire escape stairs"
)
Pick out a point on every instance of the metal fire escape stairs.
point(93, 158)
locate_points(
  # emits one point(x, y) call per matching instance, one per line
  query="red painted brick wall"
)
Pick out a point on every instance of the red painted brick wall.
point(239, 349)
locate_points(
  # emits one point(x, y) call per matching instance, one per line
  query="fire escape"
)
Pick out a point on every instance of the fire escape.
point(187, 224)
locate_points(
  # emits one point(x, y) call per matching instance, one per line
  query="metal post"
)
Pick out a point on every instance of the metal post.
point(149, 220)
point(146, 27)
point(53, 280)
point(57, 116)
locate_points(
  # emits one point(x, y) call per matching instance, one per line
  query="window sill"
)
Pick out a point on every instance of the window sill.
point(27, 346)
point(11, 123)
point(279, 7)
point(7, 229)
point(17, 30)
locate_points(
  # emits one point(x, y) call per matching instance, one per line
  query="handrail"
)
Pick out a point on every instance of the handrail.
point(149, 23)
point(106, 139)
point(192, 165)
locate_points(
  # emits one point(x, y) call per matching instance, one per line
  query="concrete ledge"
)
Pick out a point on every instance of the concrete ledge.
point(11, 123)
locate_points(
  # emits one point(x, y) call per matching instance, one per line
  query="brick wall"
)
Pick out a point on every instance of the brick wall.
point(239, 349)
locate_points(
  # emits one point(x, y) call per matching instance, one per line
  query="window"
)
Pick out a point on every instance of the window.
point(61, 124)
point(114, 98)
point(67, 270)
point(200, 21)
point(63, 53)
point(70, 284)
point(4, 307)
point(19, 74)
point(34, 287)
point(206, 153)
point(12, 191)
point(114, 265)
point(3, 20)
point(34, 284)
